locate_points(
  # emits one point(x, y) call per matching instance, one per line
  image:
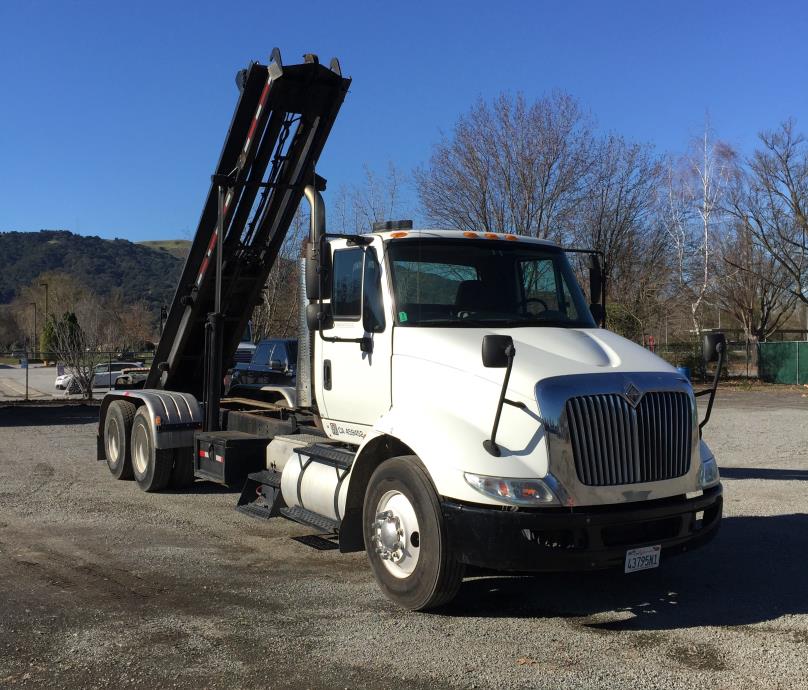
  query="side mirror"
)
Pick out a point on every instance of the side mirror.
point(598, 312)
point(595, 281)
point(369, 321)
point(497, 349)
point(318, 313)
point(714, 345)
point(318, 270)
point(312, 279)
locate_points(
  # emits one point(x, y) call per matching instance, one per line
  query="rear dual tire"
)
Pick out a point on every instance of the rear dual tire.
point(151, 466)
point(118, 437)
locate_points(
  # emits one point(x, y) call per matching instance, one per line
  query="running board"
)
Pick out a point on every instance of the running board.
point(261, 495)
point(310, 519)
point(327, 454)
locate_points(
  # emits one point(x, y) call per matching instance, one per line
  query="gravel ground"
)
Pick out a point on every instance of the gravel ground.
point(102, 585)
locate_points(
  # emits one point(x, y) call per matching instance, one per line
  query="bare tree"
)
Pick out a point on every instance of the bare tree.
point(137, 325)
point(276, 314)
point(510, 166)
point(617, 217)
point(771, 201)
point(753, 288)
point(378, 198)
point(77, 338)
point(695, 193)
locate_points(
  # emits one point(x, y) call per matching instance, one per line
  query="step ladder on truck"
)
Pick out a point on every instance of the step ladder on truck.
point(457, 403)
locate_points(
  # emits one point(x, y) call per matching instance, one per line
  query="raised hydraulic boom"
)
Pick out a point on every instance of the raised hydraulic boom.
point(282, 119)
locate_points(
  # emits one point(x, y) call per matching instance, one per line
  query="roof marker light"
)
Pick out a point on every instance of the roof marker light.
point(491, 236)
point(400, 233)
point(470, 235)
point(512, 238)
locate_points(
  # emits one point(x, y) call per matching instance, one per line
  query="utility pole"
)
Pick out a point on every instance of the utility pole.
point(35, 344)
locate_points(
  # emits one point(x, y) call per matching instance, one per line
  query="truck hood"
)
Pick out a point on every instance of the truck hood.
point(540, 353)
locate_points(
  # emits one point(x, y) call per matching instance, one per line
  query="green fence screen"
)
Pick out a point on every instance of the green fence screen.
point(785, 362)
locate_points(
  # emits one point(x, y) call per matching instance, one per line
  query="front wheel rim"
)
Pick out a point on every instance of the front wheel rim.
point(396, 535)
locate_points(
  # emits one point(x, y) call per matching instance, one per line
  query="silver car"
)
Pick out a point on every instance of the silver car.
point(104, 375)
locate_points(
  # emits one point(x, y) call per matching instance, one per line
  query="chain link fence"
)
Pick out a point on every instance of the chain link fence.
point(35, 375)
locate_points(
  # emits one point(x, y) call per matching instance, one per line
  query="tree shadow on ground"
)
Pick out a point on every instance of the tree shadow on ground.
point(48, 415)
point(756, 569)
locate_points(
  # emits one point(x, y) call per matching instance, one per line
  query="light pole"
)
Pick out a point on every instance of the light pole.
point(47, 311)
point(33, 304)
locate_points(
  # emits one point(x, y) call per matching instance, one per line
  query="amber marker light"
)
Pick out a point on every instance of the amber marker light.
point(398, 234)
point(491, 236)
point(512, 238)
point(470, 235)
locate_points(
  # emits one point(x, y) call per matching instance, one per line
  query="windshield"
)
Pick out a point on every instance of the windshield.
point(440, 282)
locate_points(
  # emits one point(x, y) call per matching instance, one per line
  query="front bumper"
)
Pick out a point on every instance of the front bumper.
point(570, 539)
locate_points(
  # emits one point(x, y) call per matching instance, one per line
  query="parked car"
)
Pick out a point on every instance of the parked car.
point(273, 364)
point(103, 376)
point(246, 348)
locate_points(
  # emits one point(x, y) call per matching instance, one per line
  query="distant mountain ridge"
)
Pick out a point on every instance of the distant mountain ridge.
point(138, 270)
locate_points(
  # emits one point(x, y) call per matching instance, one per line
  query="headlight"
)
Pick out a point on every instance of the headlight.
point(521, 492)
point(708, 475)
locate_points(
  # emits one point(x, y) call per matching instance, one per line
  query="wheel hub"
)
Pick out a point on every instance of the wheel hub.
point(388, 536)
point(395, 535)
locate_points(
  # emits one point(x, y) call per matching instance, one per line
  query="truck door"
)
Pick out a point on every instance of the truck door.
point(353, 378)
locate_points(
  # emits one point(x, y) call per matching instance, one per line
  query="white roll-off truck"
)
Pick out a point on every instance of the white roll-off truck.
point(456, 402)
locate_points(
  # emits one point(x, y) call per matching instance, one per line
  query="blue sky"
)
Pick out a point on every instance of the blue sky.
point(113, 114)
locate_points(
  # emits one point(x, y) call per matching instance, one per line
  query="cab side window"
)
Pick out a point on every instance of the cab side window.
point(346, 295)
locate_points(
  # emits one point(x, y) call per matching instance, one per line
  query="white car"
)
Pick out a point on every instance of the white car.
point(63, 381)
point(104, 376)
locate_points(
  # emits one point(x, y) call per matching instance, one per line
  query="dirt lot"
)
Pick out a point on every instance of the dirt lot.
point(102, 585)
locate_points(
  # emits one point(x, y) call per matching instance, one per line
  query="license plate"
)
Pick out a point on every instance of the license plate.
point(644, 558)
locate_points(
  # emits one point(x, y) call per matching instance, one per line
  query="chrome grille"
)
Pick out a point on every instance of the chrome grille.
point(614, 443)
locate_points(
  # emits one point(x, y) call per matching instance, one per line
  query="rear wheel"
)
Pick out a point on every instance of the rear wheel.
point(406, 539)
point(151, 466)
point(118, 438)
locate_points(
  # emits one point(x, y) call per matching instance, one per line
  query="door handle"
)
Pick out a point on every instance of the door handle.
point(327, 374)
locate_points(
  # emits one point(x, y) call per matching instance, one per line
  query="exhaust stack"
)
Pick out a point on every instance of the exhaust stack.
point(304, 343)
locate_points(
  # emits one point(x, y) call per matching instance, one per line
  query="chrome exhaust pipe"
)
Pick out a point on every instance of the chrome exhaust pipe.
point(305, 349)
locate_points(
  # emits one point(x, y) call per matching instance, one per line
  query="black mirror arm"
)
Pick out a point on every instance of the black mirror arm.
point(711, 391)
point(365, 342)
point(491, 444)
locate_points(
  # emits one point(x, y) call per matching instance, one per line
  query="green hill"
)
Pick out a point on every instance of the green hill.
point(139, 271)
point(178, 248)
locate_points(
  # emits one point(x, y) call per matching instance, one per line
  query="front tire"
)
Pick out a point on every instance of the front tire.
point(406, 538)
point(151, 466)
point(118, 438)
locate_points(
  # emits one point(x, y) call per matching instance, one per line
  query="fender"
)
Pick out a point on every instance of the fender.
point(449, 444)
point(180, 415)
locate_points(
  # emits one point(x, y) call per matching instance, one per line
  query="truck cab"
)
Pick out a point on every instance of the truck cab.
point(597, 451)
